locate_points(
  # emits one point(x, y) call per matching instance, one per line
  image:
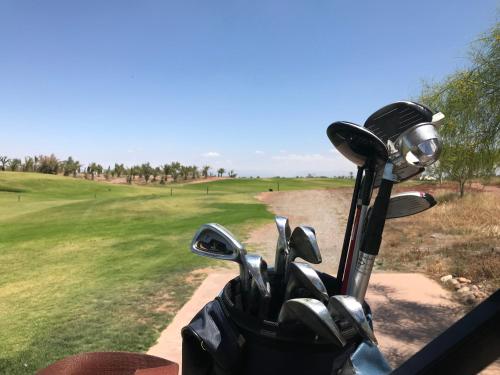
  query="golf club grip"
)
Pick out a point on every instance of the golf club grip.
point(375, 225)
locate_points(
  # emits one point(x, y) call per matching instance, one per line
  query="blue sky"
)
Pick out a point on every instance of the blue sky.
point(246, 85)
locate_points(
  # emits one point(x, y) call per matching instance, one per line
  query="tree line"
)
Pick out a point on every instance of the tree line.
point(470, 100)
point(50, 164)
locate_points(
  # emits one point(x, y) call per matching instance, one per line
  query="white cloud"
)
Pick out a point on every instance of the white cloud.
point(211, 154)
point(259, 152)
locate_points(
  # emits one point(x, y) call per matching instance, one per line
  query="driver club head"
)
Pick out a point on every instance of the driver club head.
point(314, 315)
point(358, 144)
point(303, 245)
point(284, 233)
point(349, 309)
point(302, 275)
point(409, 203)
point(393, 119)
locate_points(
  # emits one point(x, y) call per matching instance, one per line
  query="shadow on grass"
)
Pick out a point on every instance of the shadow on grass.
point(413, 323)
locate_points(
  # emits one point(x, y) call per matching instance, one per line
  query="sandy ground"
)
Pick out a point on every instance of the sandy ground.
point(409, 310)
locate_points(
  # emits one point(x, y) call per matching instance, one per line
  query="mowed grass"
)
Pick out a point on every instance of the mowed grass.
point(87, 266)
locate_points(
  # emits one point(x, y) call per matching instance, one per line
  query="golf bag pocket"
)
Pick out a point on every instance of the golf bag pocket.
point(210, 343)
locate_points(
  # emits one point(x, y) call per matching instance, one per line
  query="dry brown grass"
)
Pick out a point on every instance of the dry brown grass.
point(458, 236)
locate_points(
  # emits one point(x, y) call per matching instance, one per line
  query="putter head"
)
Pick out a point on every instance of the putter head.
point(302, 275)
point(303, 244)
point(348, 308)
point(284, 233)
point(409, 203)
point(214, 241)
point(357, 144)
point(312, 314)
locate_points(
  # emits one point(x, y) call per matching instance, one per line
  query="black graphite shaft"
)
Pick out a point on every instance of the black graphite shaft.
point(348, 230)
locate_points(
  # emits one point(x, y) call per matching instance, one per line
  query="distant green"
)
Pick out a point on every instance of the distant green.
point(88, 266)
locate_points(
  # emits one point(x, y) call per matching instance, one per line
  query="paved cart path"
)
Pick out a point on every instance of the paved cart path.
point(409, 310)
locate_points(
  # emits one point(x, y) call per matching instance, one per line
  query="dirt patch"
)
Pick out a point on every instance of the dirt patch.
point(325, 210)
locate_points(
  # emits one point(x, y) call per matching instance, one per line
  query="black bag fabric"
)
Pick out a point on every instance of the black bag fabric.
point(222, 339)
point(211, 345)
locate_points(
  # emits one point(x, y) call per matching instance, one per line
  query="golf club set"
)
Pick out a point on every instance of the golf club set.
point(291, 317)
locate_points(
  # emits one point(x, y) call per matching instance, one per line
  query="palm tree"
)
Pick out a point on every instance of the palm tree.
point(29, 164)
point(231, 173)
point(48, 164)
point(220, 172)
point(194, 172)
point(184, 171)
point(147, 171)
point(204, 170)
point(175, 170)
point(156, 173)
point(4, 160)
point(14, 164)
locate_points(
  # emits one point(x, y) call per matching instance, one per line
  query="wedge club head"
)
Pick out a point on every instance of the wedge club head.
point(312, 314)
point(303, 276)
point(348, 308)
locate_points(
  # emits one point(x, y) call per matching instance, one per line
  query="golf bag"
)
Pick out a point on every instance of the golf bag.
point(222, 339)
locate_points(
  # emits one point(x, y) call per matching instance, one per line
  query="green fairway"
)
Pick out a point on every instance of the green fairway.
point(88, 266)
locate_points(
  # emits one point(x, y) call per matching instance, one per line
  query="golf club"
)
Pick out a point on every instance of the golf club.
point(214, 241)
point(424, 146)
point(303, 245)
point(409, 203)
point(284, 233)
point(366, 150)
point(393, 119)
point(260, 289)
point(302, 275)
point(347, 308)
point(312, 314)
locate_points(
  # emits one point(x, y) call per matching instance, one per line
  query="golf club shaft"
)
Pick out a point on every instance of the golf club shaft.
point(348, 230)
point(372, 238)
point(365, 197)
point(343, 287)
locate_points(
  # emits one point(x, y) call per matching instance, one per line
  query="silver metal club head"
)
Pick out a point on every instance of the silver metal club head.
point(420, 145)
point(257, 268)
point(284, 233)
point(214, 241)
point(303, 245)
point(348, 308)
point(302, 275)
point(314, 315)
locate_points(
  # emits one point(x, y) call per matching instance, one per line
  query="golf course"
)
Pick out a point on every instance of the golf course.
point(91, 266)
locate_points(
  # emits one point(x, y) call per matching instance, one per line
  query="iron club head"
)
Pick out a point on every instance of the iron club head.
point(302, 275)
point(303, 245)
point(312, 314)
point(214, 241)
point(348, 308)
point(284, 233)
